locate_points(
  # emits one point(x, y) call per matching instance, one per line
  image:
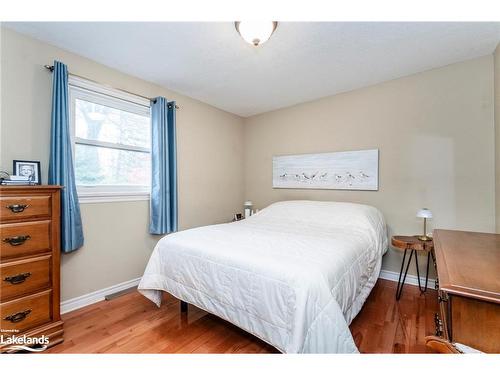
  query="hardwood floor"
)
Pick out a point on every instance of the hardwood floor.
point(385, 325)
point(132, 324)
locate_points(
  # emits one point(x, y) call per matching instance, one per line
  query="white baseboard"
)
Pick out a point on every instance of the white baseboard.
point(410, 279)
point(98, 295)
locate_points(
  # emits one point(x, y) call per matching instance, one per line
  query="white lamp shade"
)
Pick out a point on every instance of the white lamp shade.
point(256, 32)
point(425, 213)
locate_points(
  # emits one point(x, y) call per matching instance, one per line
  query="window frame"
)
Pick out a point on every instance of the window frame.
point(83, 89)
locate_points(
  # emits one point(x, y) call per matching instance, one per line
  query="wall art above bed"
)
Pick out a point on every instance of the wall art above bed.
point(347, 170)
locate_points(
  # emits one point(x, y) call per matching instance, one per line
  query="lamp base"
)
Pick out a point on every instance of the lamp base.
point(424, 238)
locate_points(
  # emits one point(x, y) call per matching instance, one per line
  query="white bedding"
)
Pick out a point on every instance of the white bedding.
point(294, 275)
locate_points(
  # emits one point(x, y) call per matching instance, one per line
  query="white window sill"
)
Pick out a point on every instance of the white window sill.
point(104, 197)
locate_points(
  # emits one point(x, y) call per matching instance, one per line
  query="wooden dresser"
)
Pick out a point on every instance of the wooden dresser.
point(29, 262)
point(468, 268)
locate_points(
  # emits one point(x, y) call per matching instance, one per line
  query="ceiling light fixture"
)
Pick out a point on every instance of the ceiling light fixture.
point(256, 32)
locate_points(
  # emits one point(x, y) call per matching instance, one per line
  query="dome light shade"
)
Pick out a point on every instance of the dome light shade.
point(425, 213)
point(256, 32)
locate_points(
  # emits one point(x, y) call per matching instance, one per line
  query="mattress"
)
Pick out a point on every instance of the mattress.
point(294, 275)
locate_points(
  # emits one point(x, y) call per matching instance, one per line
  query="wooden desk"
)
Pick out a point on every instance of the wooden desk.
point(468, 268)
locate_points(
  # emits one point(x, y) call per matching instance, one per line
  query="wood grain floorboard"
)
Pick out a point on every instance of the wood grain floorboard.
point(132, 324)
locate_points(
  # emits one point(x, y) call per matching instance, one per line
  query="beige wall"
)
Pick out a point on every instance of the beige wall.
point(117, 243)
point(497, 134)
point(435, 133)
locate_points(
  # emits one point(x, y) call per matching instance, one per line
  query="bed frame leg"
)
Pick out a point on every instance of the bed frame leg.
point(184, 307)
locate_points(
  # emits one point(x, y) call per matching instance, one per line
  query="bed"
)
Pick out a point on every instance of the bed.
point(294, 275)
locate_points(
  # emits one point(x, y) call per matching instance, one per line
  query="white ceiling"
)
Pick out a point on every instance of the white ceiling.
point(302, 61)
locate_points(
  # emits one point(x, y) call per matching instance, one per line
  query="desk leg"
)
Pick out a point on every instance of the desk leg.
point(401, 283)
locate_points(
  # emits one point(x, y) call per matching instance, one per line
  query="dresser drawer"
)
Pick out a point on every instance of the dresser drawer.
point(24, 313)
point(24, 207)
point(25, 276)
point(20, 239)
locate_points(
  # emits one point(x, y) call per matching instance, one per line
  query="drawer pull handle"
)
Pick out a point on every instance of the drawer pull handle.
point(16, 208)
point(18, 316)
point(17, 240)
point(18, 279)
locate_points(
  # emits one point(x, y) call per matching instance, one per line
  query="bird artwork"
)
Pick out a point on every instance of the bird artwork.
point(350, 178)
point(344, 170)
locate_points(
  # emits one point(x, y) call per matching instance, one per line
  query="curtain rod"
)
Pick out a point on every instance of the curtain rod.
point(51, 68)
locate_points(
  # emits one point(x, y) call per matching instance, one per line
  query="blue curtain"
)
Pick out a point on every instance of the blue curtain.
point(163, 210)
point(61, 170)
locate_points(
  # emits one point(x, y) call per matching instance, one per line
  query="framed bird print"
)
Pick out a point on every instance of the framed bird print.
point(346, 170)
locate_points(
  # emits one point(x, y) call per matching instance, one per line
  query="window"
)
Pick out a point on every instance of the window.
point(111, 133)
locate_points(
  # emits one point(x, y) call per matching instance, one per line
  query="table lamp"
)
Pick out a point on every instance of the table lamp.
point(425, 213)
point(248, 209)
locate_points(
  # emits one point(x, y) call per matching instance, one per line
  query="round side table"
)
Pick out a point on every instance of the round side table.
point(412, 244)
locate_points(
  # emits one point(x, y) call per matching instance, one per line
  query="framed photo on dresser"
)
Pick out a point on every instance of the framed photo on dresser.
point(28, 168)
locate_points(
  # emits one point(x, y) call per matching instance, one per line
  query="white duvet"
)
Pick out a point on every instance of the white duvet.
point(294, 275)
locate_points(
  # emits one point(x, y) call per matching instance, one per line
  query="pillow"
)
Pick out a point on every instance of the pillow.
point(328, 214)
